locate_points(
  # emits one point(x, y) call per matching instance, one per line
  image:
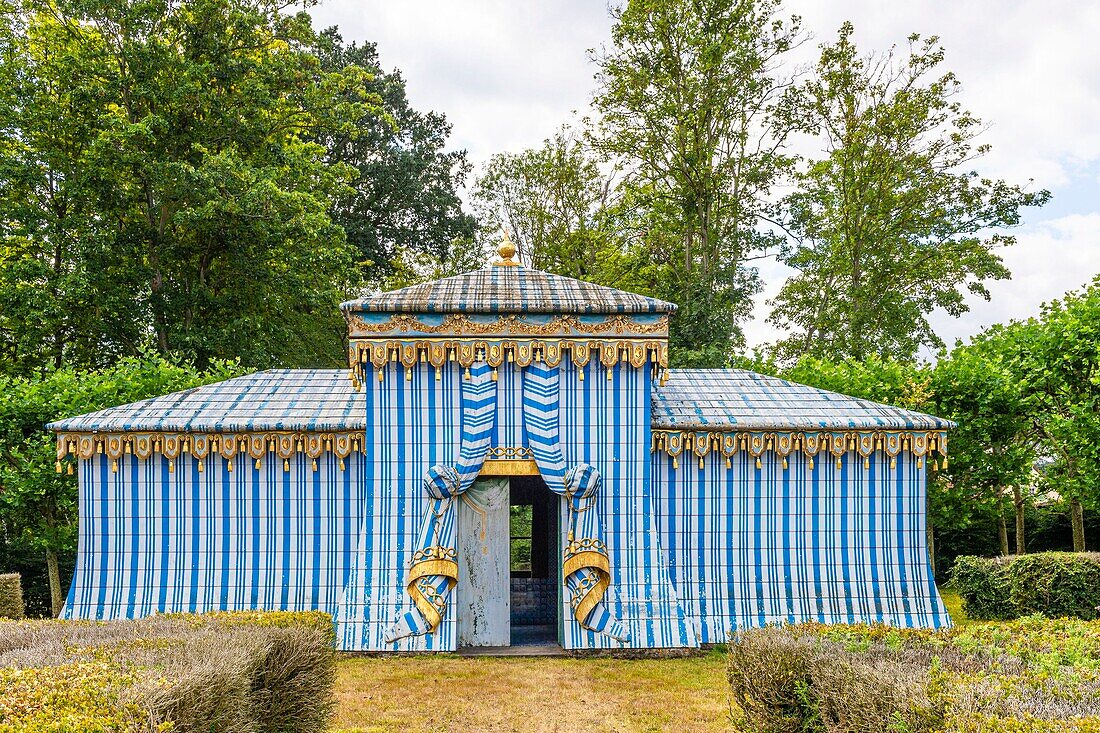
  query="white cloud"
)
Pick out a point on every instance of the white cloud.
point(508, 73)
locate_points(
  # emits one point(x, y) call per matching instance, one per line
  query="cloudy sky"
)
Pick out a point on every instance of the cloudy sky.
point(507, 73)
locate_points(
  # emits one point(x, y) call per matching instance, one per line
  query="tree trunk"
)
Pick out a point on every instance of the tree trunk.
point(1002, 533)
point(56, 601)
point(1077, 519)
point(932, 549)
point(1018, 504)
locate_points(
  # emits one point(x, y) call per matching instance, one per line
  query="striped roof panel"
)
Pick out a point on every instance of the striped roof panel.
point(280, 399)
point(736, 399)
point(508, 290)
point(324, 400)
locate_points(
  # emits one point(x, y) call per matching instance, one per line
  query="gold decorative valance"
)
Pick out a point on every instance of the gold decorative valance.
point(229, 446)
point(523, 352)
point(405, 325)
point(699, 444)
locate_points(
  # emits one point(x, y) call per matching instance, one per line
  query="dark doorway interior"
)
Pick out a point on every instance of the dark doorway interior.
point(533, 546)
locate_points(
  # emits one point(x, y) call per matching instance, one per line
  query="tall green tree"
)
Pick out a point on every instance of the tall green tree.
point(994, 447)
point(1058, 356)
point(178, 197)
point(892, 223)
point(554, 202)
point(403, 201)
point(692, 108)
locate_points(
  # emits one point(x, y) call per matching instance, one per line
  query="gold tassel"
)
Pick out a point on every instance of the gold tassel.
point(784, 464)
point(201, 469)
point(57, 465)
point(944, 466)
point(69, 470)
point(920, 462)
point(438, 374)
point(757, 464)
point(408, 375)
point(286, 465)
point(729, 463)
point(171, 466)
point(700, 463)
point(114, 466)
point(935, 466)
point(342, 466)
point(838, 464)
point(99, 448)
point(314, 465)
point(494, 375)
point(811, 464)
point(257, 464)
point(381, 374)
point(229, 465)
point(675, 463)
point(580, 374)
point(866, 463)
point(609, 374)
point(467, 375)
point(893, 463)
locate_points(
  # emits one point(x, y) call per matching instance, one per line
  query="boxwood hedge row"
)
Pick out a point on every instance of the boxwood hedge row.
point(226, 672)
point(1033, 674)
point(1051, 583)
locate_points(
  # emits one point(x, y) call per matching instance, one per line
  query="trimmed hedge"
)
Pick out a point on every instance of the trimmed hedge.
point(11, 596)
point(1032, 674)
point(237, 673)
point(1051, 583)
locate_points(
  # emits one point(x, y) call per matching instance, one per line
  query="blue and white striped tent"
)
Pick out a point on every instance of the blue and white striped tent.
point(685, 504)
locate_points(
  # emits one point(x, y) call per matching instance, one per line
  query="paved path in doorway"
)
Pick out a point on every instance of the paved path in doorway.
point(531, 695)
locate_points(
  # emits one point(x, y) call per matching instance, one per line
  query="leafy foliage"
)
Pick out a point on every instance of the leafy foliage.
point(404, 198)
point(693, 112)
point(889, 225)
point(162, 186)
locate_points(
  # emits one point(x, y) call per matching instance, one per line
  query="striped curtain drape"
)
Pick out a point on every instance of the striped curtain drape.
point(434, 570)
point(586, 567)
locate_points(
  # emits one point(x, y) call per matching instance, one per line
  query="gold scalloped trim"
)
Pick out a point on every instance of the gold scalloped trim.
point(725, 443)
point(409, 352)
point(173, 445)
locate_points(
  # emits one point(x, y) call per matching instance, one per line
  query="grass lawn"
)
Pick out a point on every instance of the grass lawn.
point(532, 695)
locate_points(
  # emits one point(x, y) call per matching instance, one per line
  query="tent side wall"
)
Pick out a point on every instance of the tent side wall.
point(752, 546)
point(155, 540)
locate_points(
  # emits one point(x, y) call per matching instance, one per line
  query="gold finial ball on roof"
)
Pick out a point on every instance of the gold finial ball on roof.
point(507, 252)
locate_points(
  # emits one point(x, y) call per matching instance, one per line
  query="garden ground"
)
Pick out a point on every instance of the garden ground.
point(537, 694)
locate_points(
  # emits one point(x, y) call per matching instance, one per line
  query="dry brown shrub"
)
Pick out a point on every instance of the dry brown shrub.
point(198, 673)
point(11, 596)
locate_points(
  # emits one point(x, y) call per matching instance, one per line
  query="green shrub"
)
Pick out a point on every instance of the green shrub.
point(984, 586)
point(1057, 584)
point(11, 596)
point(1051, 583)
point(254, 672)
point(1034, 674)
